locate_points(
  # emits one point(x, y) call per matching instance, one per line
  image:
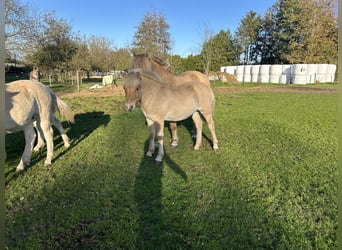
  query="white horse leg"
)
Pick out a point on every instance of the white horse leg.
point(48, 134)
point(151, 136)
point(59, 126)
point(30, 136)
point(160, 136)
point(198, 125)
point(174, 137)
point(40, 138)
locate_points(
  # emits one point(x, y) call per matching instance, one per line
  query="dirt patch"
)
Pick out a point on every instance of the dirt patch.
point(108, 90)
point(111, 90)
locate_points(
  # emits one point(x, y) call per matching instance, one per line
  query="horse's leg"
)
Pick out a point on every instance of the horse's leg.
point(174, 137)
point(40, 138)
point(151, 137)
point(198, 125)
point(159, 125)
point(48, 134)
point(211, 125)
point(59, 126)
point(30, 136)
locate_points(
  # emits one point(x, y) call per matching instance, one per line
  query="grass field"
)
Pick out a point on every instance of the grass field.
point(271, 185)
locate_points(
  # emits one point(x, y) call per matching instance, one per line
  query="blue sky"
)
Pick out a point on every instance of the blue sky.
point(188, 19)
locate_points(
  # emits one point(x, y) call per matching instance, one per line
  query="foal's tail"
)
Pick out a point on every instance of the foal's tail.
point(65, 110)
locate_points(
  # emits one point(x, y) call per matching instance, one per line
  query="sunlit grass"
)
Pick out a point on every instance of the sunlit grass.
point(271, 185)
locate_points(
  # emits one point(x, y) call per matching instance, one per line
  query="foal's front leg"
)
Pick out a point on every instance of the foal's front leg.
point(174, 137)
point(151, 136)
point(159, 126)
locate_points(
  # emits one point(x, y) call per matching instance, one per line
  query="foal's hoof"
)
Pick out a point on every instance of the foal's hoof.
point(174, 144)
point(158, 159)
point(19, 171)
point(37, 148)
point(48, 165)
point(149, 154)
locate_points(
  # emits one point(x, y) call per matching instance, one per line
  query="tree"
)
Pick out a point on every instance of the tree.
point(21, 25)
point(305, 31)
point(100, 49)
point(152, 35)
point(224, 50)
point(265, 50)
point(80, 60)
point(55, 47)
point(246, 35)
point(207, 52)
point(120, 59)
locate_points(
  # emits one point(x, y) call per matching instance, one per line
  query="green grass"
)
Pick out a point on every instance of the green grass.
point(271, 185)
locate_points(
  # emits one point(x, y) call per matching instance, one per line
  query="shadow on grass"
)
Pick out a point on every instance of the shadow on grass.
point(190, 127)
point(148, 196)
point(84, 125)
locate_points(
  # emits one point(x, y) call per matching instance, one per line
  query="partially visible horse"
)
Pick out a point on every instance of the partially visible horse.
point(34, 74)
point(160, 103)
point(151, 63)
point(109, 79)
point(27, 101)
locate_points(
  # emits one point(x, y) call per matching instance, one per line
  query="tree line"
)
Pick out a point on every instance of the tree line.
point(291, 31)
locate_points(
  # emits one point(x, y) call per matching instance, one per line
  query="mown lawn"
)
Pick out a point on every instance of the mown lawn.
point(271, 185)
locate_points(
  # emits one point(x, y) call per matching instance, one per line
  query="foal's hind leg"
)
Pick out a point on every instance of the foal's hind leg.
point(198, 125)
point(48, 135)
point(174, 137)
point(40, 137)
point(59, 126)
point(211, 125)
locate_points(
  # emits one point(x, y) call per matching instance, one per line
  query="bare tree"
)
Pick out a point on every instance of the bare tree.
point(207, 52)
point(22, 23)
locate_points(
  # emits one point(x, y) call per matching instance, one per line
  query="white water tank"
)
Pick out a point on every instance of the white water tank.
point(247, 74)
point(300, 73)
point(255, 73)
point(275, 73)
point(330, 77)
point(322, 70)
point(264, 73)
point(286, 75)
point(312, 73)
point(229, 69)
point(239, 72)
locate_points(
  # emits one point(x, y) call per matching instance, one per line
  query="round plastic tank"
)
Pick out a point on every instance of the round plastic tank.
point(322, 70)
point(264, 73)
point(247, 74)
point(286, 76)
point(331, 73)
point(255, 73)
point(239, 72)
point(275, 73)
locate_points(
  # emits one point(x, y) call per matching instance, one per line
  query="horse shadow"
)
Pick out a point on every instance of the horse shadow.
point(190, 127)
point(85, 124)
point(148, 197)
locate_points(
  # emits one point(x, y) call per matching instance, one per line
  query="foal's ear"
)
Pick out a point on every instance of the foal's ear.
point(138, 75)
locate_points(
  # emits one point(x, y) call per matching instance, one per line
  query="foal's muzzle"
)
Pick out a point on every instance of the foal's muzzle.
point(129, 107)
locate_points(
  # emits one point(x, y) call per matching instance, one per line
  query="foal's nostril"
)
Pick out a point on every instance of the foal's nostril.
point(129, 107)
